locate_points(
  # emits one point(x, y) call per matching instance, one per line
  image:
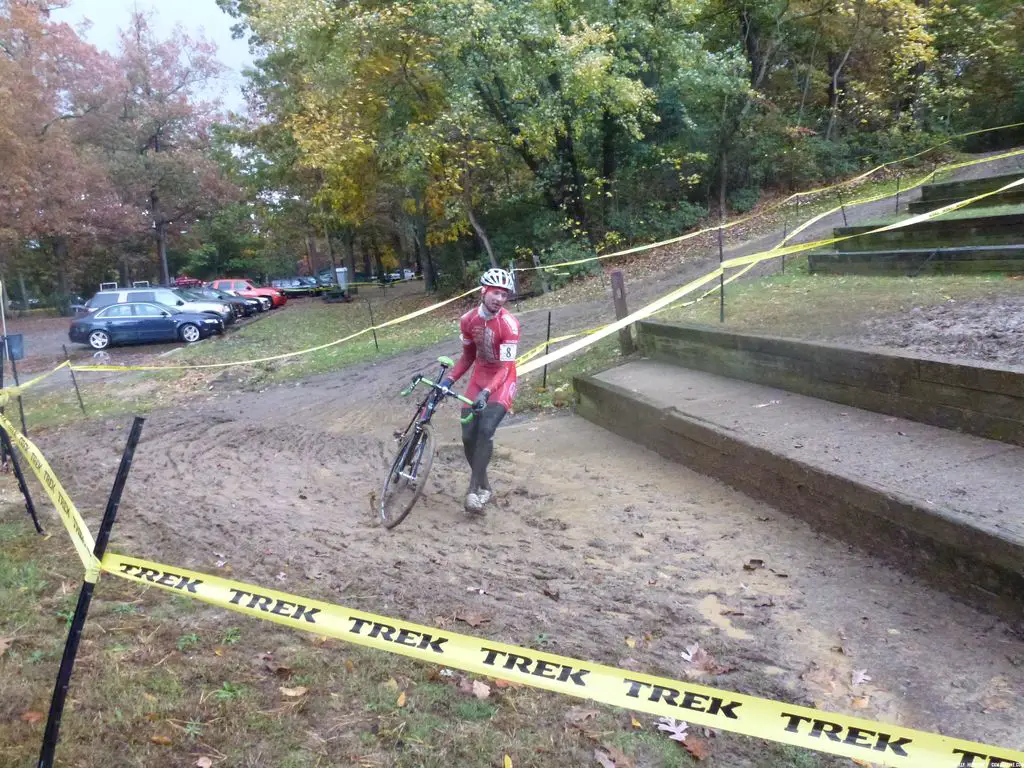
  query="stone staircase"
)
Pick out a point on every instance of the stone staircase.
point(917, 461)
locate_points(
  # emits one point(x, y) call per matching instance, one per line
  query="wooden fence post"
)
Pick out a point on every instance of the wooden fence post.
point(619, 299)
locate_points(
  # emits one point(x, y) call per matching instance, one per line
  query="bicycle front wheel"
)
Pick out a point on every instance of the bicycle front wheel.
point(407, 477)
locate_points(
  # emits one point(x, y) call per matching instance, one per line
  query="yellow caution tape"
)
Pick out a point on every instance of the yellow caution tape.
point(271, 358)
point(795, 195)
point(611, 328)
point(17, 390)
point(525, 358)
point(80, 535)
point(831, 733)
point(740, 261)
point(908, 222)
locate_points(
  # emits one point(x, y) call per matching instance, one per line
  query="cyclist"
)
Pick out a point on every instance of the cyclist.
point(490, 334)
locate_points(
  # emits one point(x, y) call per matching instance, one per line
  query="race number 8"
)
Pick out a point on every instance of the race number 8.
point(507, 353)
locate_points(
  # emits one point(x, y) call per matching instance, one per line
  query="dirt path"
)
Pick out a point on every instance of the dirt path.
point(583, 551)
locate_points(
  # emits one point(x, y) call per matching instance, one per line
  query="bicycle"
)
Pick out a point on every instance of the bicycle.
point(407, 477)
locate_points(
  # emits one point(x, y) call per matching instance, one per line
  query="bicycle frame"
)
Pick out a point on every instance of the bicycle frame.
point(425, 410)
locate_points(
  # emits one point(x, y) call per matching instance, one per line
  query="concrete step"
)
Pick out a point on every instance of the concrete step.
point(974, 259)
point(946, 506)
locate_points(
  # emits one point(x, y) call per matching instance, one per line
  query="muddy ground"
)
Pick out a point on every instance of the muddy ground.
point(593, 541)
point(990, 331)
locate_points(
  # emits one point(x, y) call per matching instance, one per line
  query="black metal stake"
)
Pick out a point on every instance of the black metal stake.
point(21, 408)
point(721, 276)
point(67, 662)
point(899, 178)
point(785, 234)
point(373, 327)
point(842, 205)
point(74, 380)
point(30, 507)
point(544, 381)
point(3, 356)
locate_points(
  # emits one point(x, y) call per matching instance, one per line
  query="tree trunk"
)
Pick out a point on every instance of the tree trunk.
point(365, 249)
point(24, 294)
point(161, 248)
point(609, 129)
point(61, 255)
point(348, 244)
point(378, 264)
point(330, 249)
point(838, 84)
point(481, 233)
point(723, 185)
point(160, 231)
point(807, 77)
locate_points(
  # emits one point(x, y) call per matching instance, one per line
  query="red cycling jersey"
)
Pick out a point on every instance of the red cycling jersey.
point(491, 343)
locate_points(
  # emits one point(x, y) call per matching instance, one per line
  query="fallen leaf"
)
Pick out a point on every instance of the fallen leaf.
point(204, 762)
point(578, 715)
point(401, 699)
point(391, 684)
point(635, 723)
point(826, 678)
point(698, 748)
point(163, 741)
point(552, 593)
point(149, 697)
point(481, 690)
point(702, 662)
point(676, 730)
point(218, 651)
point(753, 565)
point(631, 642)
point(349, 666)
point(5, 643)
point(615, 757)
point(473, 619)
point(506, 684)
point(507, 763)
point(860, 702)
point(31, 716)
point(860, 676)
point(281, 670)
point(293, 693)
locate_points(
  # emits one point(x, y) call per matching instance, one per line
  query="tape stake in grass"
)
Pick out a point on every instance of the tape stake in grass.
point(30, 507)
point(67, 662)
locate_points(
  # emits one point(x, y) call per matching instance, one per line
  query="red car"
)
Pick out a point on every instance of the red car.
point(246, 288)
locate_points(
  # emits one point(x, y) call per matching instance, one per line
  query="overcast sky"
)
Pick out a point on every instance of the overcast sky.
point(109, 16)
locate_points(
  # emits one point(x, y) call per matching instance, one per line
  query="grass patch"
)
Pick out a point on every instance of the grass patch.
point(799, 304)
point(973, 212)
point(558, 393)
point(313, 323)
point(300, 325)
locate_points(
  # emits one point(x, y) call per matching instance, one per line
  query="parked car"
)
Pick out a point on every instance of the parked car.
point(246, 288)
point(292, 287)
point(142, 322)
point(169, 297)
point(248, 306)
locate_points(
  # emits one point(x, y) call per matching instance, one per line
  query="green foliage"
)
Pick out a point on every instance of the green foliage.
point(418, 131)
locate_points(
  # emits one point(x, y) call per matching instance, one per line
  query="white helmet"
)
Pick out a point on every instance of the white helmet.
point(497, 278)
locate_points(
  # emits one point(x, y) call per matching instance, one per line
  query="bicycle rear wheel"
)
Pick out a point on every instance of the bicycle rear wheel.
point(407, 477)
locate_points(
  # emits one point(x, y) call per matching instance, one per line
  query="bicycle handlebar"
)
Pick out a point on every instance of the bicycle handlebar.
point(447, 392)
